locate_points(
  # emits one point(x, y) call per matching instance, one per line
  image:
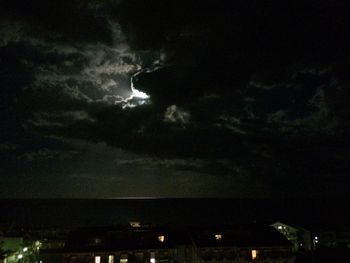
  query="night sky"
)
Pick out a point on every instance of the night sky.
point(174, 98)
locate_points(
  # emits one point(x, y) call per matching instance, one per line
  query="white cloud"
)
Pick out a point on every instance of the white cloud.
point(93, 72)
point(175, 114)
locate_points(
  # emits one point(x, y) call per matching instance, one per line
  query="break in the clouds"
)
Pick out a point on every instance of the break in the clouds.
point(248, 96)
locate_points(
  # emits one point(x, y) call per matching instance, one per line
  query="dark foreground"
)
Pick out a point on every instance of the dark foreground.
point(92, 212)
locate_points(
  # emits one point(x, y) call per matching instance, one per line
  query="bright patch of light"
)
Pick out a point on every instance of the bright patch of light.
point(135, 92)
point(139, 94)
point(254, 254)
point(161, 238)
point(135, 224)
point(152, 258)
point(110, 259)
point(218, 237)
point(137, 97)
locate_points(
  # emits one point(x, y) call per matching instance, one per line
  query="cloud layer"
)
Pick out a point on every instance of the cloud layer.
point(247, 95)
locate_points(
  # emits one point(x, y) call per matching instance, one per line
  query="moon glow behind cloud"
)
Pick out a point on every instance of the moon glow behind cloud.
point(174, 98)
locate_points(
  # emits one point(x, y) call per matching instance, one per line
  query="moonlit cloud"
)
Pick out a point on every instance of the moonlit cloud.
point(197, 95)
point(81, 75)
point(96, 71)
point(174, 114)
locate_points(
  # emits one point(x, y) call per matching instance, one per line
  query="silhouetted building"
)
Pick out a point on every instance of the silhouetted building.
point(140, 244)
point(300, 237)
point(247, 243)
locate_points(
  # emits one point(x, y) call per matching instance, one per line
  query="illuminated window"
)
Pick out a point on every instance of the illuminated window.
point(97, 259)
point(110, 259)
point(161, 238)
point(254, 254)
point(135, 224)
point(279, 227)
point(123, 259)
point(218, 237)
point(97, 241)
point(152, 258)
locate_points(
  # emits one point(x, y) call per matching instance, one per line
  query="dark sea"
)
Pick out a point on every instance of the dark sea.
point(111, 212)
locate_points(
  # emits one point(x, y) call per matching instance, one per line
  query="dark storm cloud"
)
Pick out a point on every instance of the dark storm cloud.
point(261, 33)
point(245, 91)
point(60, 20)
